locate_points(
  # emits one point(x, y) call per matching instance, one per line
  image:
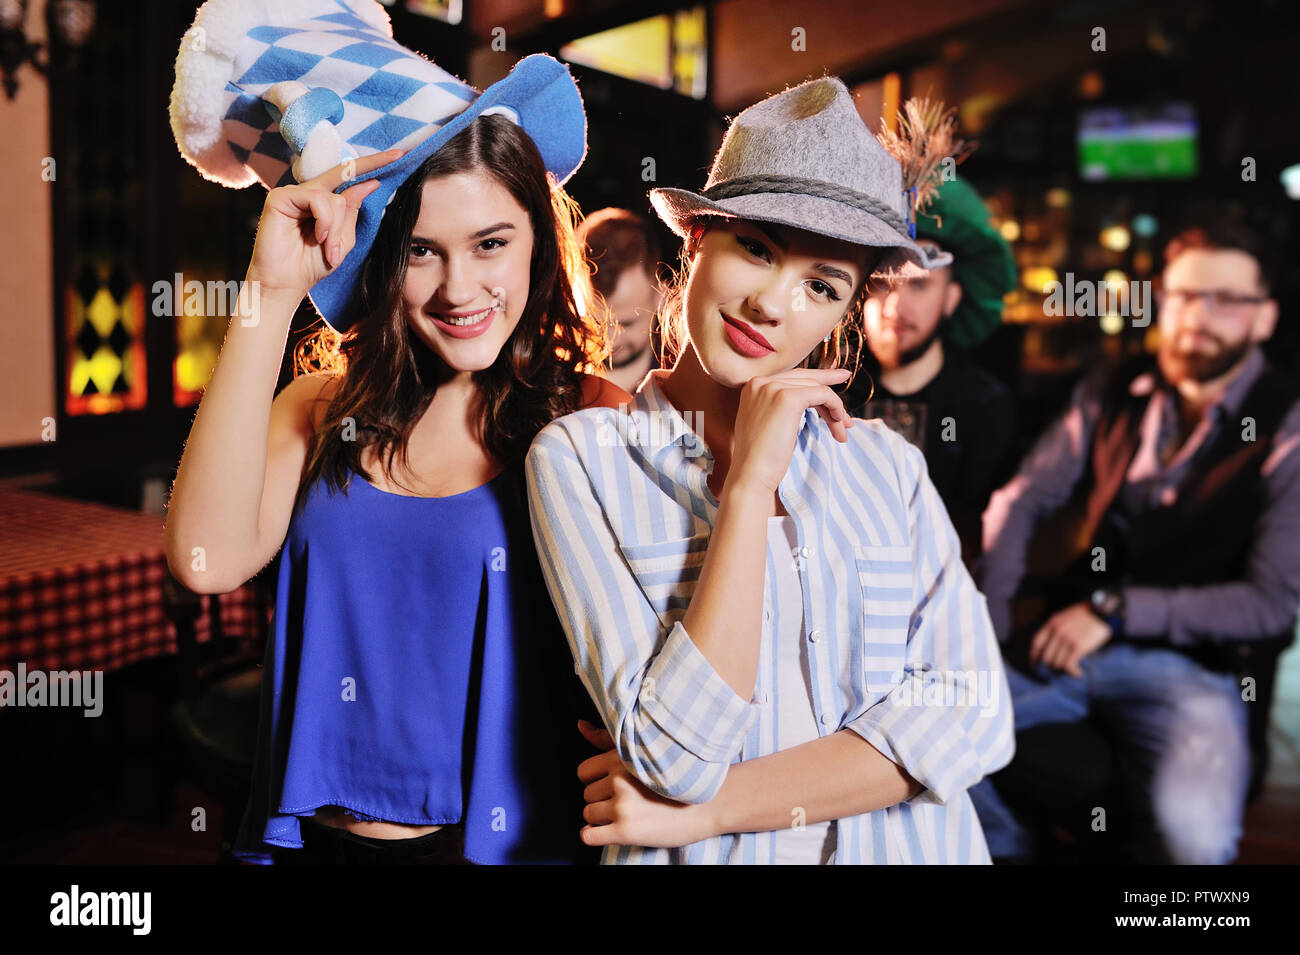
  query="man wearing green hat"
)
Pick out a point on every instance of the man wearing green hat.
point(925, 386)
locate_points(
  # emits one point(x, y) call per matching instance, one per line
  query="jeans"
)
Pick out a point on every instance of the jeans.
point(1180, 736)
point(326, 845)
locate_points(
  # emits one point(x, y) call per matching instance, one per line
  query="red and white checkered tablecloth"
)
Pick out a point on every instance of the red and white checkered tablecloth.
point(81, 586)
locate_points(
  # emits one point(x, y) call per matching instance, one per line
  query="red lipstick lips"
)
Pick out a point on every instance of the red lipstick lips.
point(746, 338)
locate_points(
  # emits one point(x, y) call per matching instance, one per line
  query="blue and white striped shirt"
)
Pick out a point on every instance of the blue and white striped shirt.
point(900, 647)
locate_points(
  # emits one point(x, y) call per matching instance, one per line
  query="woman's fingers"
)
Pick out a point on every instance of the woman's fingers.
point(597, 736)
point(828, 376)
point(342, 225)
point(331, 179)
point(336, 216)
point(599, 813)
point(821, 380)
point(303, 204)
point(601, 789)
point(592, 768)
point(828, 405)
point(318, 206)
point(839, 426)
point(355, 194)
point(598, 835)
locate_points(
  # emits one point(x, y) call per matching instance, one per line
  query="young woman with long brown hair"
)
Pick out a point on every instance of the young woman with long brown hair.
point(765, 596)
point(415, 703)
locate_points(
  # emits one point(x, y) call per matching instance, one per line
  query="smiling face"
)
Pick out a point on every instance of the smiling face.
point(467, 275)
point(761, 296)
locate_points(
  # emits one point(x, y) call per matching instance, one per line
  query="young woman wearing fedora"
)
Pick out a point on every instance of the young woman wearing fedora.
point(765, 597)
point(415, 703)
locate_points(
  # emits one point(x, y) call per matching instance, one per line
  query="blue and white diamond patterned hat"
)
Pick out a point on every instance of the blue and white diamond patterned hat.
point(280, 91)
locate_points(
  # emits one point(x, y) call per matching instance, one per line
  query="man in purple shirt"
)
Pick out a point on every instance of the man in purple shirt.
point(1184, 583)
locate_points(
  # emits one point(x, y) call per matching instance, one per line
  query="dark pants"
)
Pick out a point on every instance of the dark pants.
point(326, 845)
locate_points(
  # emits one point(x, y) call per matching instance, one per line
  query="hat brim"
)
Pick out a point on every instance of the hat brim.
point(678, 208)
point(540, 91)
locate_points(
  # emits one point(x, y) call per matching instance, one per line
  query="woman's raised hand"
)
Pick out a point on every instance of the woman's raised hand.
point(767, 422)
point(307, 229)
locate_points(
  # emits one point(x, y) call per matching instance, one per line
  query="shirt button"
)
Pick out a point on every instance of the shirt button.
point(762, 696)
point(767, 615)
point(805, 551)
point(648, 687)
point(827, 719)
point(815, 635)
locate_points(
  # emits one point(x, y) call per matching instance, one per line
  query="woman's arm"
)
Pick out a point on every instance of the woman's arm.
point(939, 730)
point(825, 779)
point(725, 616)
point(674, 720)
point(833, 777)
point(239, 474)
point(221, 526)
point(676, 703)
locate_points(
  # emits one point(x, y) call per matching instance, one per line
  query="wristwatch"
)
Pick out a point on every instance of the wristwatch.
point(1107, 603)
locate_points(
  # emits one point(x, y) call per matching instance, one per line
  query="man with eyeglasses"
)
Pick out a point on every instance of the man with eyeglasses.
point(1184, 471)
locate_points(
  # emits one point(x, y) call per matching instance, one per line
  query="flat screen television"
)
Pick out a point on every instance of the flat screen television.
point(1155, 141)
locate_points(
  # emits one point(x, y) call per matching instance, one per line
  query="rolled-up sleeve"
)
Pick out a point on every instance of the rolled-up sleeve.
point(948, 722)
point(676, 724)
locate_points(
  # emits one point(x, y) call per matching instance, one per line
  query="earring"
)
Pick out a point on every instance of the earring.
point(826, 339)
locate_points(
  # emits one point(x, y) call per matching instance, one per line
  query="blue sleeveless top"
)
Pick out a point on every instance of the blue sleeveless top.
point(417, 673)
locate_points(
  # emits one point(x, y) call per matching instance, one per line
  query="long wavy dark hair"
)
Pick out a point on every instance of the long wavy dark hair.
point(388, 376)
point(844, 350)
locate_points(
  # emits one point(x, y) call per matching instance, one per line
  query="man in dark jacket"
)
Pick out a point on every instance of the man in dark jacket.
point(1183, 470)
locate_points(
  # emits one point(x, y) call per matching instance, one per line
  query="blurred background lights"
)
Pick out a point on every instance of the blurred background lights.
point(1291, 181)
point(1112, 324)
point(1116, 238)
point(1058, 198)
point(1145, 225)
point(1038, 278)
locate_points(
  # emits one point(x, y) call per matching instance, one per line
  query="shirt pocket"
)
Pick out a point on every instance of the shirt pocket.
point(667, 572)
point(885, 575)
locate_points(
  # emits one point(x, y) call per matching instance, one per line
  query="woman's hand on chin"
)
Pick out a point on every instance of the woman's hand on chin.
point(767, 422)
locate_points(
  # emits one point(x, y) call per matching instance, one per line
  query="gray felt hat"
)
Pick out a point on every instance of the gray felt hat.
point(804, 158)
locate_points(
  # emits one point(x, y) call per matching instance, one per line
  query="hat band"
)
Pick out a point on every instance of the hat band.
point(794, 185)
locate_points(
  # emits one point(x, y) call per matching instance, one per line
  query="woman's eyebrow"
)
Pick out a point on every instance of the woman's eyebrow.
point(500, 226)
point(775, 239)
point(831, 271)
point(481, 233)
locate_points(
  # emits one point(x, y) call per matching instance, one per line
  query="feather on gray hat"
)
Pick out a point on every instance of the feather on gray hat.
point(804, 158)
